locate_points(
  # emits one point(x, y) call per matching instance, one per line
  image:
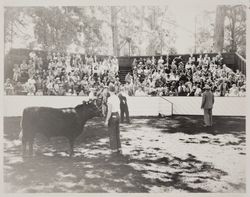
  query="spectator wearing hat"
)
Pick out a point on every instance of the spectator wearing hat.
point(207, 105)
point(113, 121)
point(123, 105)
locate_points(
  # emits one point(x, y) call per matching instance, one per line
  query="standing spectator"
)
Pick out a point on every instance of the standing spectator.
point(223, 87)
point(17, 72)
point(207, 105)
point(123, 105)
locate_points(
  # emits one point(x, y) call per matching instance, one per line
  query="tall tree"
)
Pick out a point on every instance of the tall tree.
point(14, 23)
point(219, 28)
point(236, 29)
point(114, 27)
point(53, 27)
point(205, 32)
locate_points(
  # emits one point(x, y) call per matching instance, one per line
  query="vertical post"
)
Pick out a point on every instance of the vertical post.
point(11, 35)
point(167, 57)
point(195, 21)
point(129, 48)
point(161, 43)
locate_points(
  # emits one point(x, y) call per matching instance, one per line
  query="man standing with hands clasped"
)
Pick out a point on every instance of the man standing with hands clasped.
point(207, 105)
point(113, 121)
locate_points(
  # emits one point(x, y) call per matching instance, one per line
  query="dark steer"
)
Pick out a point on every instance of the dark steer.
point(51, 122)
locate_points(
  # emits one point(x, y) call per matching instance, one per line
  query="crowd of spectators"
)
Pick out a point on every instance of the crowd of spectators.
point(74, 74)
point(178, 78)
point(61, 74)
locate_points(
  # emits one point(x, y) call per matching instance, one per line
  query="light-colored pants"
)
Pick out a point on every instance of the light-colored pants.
point(208, 117)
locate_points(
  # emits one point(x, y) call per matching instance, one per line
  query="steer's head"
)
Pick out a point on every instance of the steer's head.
point(89, 109)
point(96, 107)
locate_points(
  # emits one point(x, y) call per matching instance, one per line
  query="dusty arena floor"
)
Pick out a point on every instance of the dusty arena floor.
point(172, 154)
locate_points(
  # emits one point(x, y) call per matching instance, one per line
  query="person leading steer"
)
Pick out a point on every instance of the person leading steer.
point(113, 121)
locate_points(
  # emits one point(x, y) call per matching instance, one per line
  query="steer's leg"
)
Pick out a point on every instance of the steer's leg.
point(31, 141)
point(24, 144)
point(71, 144)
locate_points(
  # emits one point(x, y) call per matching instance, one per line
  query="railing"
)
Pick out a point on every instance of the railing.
point(172, 105)
point(240, 62)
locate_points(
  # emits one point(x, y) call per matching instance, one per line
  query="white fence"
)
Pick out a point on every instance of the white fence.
point(223, 106)
point(138, 106)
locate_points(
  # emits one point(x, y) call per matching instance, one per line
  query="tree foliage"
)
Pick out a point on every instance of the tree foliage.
point(236, 29)
point(224, 33)
point(14, 22)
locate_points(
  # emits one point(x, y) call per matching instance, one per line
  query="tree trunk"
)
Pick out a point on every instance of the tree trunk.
point(142, 18)
point(233, 39)
point(219, 28)
point(114, 27)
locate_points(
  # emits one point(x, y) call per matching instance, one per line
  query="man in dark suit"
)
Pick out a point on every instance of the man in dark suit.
point(123, 106)
point(207, 105)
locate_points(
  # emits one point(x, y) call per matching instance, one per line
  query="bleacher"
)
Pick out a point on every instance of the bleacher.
point(232, 60)
point(15, 56)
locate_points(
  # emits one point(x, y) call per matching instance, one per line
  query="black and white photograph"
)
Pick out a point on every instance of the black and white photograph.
point(143, 97)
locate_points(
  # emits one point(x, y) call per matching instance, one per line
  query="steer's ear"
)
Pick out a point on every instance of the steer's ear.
point(94, 101)
point(90, 101)
point(83, 102)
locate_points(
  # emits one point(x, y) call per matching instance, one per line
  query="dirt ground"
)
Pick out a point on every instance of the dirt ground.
point(171, 154)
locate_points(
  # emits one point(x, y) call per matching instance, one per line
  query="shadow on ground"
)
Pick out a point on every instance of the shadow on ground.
point(93, 170)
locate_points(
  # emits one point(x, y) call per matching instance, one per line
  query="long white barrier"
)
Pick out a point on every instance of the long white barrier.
point(138, 106)
point(223, 106)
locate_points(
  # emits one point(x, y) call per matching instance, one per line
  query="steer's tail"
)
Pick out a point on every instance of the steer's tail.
point(20, 136)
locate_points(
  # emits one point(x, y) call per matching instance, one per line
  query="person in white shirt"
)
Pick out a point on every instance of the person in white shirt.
point(92, 94)
point(140, 92)
point(242, 92)
point(31, 81)
point(234, 91)
point(113, 121)
point(198, 91)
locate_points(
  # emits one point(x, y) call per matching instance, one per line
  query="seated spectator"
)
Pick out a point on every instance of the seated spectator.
point(8, 87)
point(198, 91)
point(39, 92)
point(69, 93)
point(60, 72)
point(242, 91)
point(18, 88)
point(234, 91)
point(217, 93)
point(140, 92)
point(31, 89)
point(192, 92)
